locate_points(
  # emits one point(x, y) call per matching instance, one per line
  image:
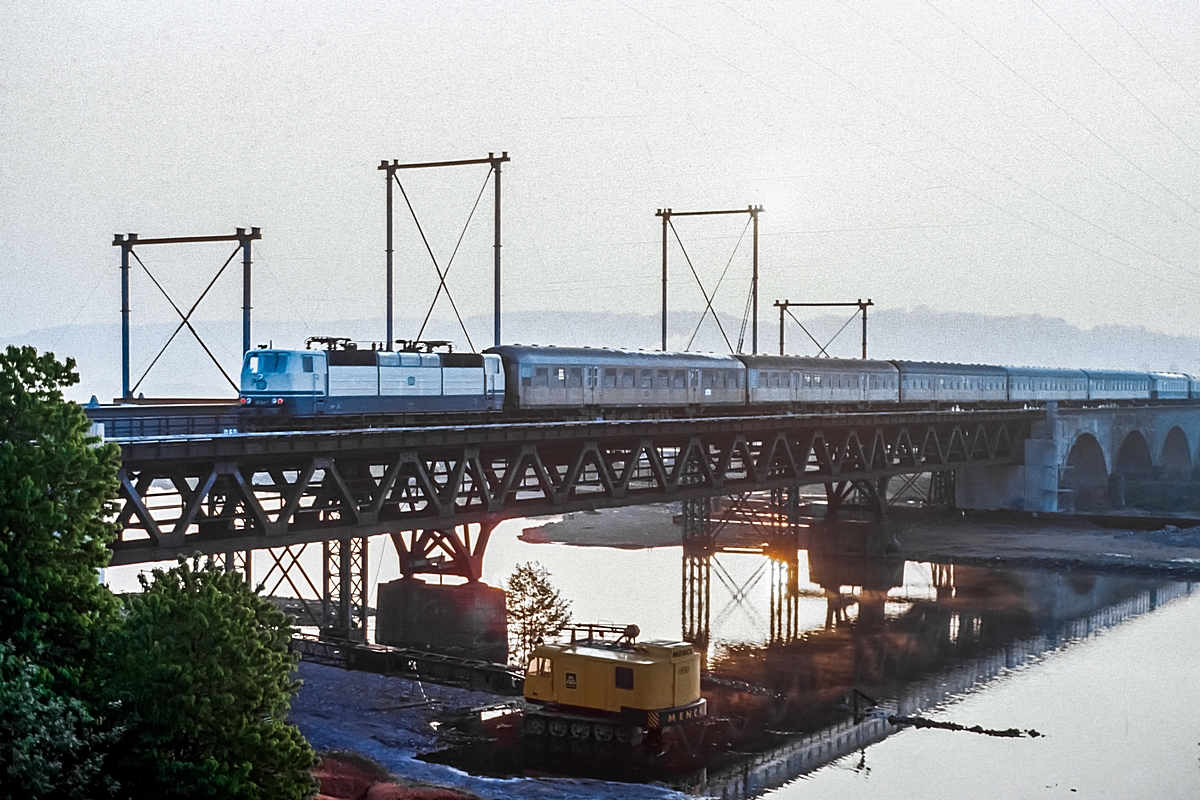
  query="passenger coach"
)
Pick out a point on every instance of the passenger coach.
point(1033, 384)
point(575, 377)
point(933, 382)
point(792, 379)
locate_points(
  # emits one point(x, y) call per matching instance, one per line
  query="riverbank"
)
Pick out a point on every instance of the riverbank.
point(1129, 544)
point(391, 721)
point(1055, 541)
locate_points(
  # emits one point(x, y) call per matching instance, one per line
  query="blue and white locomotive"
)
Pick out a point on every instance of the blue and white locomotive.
point(343, 379)
point(428, 378)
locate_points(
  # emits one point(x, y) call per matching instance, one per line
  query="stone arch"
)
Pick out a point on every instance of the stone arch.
point(1175, 463)
point(1133, 459)
point(1087, 473)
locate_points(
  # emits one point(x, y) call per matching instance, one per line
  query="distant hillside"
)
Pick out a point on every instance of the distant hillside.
point(920, 333)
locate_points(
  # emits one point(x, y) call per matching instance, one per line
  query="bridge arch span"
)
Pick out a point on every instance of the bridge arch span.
point(1175, 462)
point(1133, 459)
point(1087, 473)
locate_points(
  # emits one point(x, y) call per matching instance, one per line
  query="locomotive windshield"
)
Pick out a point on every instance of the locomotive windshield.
point(267, 362)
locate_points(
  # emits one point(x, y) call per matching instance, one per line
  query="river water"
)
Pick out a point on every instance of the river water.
point(1108, 671)
point(1103, 667)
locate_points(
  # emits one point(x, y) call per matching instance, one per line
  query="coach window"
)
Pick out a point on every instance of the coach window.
point(307, 362)
point(624, 678)
point(708, 379)
point(610, 378)
point(647, 377)
point(680, 381)
point(664, 379)
point(627, 379)
point(541, 377)
point(575, 378)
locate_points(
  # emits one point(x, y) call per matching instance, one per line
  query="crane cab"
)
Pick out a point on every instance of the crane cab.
point(653, 684)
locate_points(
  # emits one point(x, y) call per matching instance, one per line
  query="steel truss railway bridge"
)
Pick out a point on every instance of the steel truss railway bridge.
point(438, 491)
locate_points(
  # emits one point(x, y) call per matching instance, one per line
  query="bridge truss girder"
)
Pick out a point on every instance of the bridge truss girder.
point(243, 493)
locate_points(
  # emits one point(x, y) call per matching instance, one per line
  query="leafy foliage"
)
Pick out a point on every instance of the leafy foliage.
point(535, 610)
point(50, 746)
point(202, 670)
point(56, 485)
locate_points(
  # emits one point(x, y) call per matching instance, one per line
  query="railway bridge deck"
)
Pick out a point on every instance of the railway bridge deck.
point(438, 490)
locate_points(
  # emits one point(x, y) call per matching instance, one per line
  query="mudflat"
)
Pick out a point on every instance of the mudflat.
point(1123, 543)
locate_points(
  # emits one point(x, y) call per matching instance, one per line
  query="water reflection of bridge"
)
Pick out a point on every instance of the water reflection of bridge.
point(841, 551)
point(970, 626)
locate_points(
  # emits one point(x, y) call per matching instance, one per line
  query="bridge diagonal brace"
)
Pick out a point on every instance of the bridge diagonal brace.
point(384, 489)
point(931, 449)
point(514, 474)
point(426, 485)
point(840, 451)
point(135, 492)
point(532, 458)
point(136, 506)
point(347, 497)
point(694, 452)
point(958, 442)
point(292, 505)
point(247, 491)
point(574, 469)
point(451, 492)
point(193, 507)
point(737, 446)
point(478, 474)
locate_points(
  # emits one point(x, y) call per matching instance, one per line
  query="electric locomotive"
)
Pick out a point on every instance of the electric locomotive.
point(343, 379)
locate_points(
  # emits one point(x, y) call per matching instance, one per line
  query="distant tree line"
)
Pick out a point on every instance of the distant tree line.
point(180, 691)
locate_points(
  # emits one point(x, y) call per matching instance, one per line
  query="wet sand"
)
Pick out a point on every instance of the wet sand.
point(1117, 543)
point(1055, 541)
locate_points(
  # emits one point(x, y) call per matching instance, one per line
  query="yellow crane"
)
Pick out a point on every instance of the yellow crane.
point(604, 684)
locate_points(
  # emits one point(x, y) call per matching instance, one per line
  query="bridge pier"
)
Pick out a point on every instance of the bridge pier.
point(1033, 485)
point(344, 589)
point(1093, 459)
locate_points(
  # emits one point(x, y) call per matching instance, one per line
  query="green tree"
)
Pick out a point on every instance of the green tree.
point(50, 745)
point(202, 671)
point(56, 488)
point(535, 610)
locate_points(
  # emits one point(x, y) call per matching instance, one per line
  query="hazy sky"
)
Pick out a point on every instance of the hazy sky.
point(1004, 157)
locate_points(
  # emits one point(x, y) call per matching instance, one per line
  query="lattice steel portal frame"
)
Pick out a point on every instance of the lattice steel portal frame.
point(128, 242)
point(244, 492)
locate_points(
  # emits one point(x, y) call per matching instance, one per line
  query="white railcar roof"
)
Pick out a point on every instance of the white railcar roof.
point(1116, 375)
point(1045, 372)
point(817, 364)
point(603, 356)
point(943, 368)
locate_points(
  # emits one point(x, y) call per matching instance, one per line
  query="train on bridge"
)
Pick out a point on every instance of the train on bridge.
point(341, 379)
